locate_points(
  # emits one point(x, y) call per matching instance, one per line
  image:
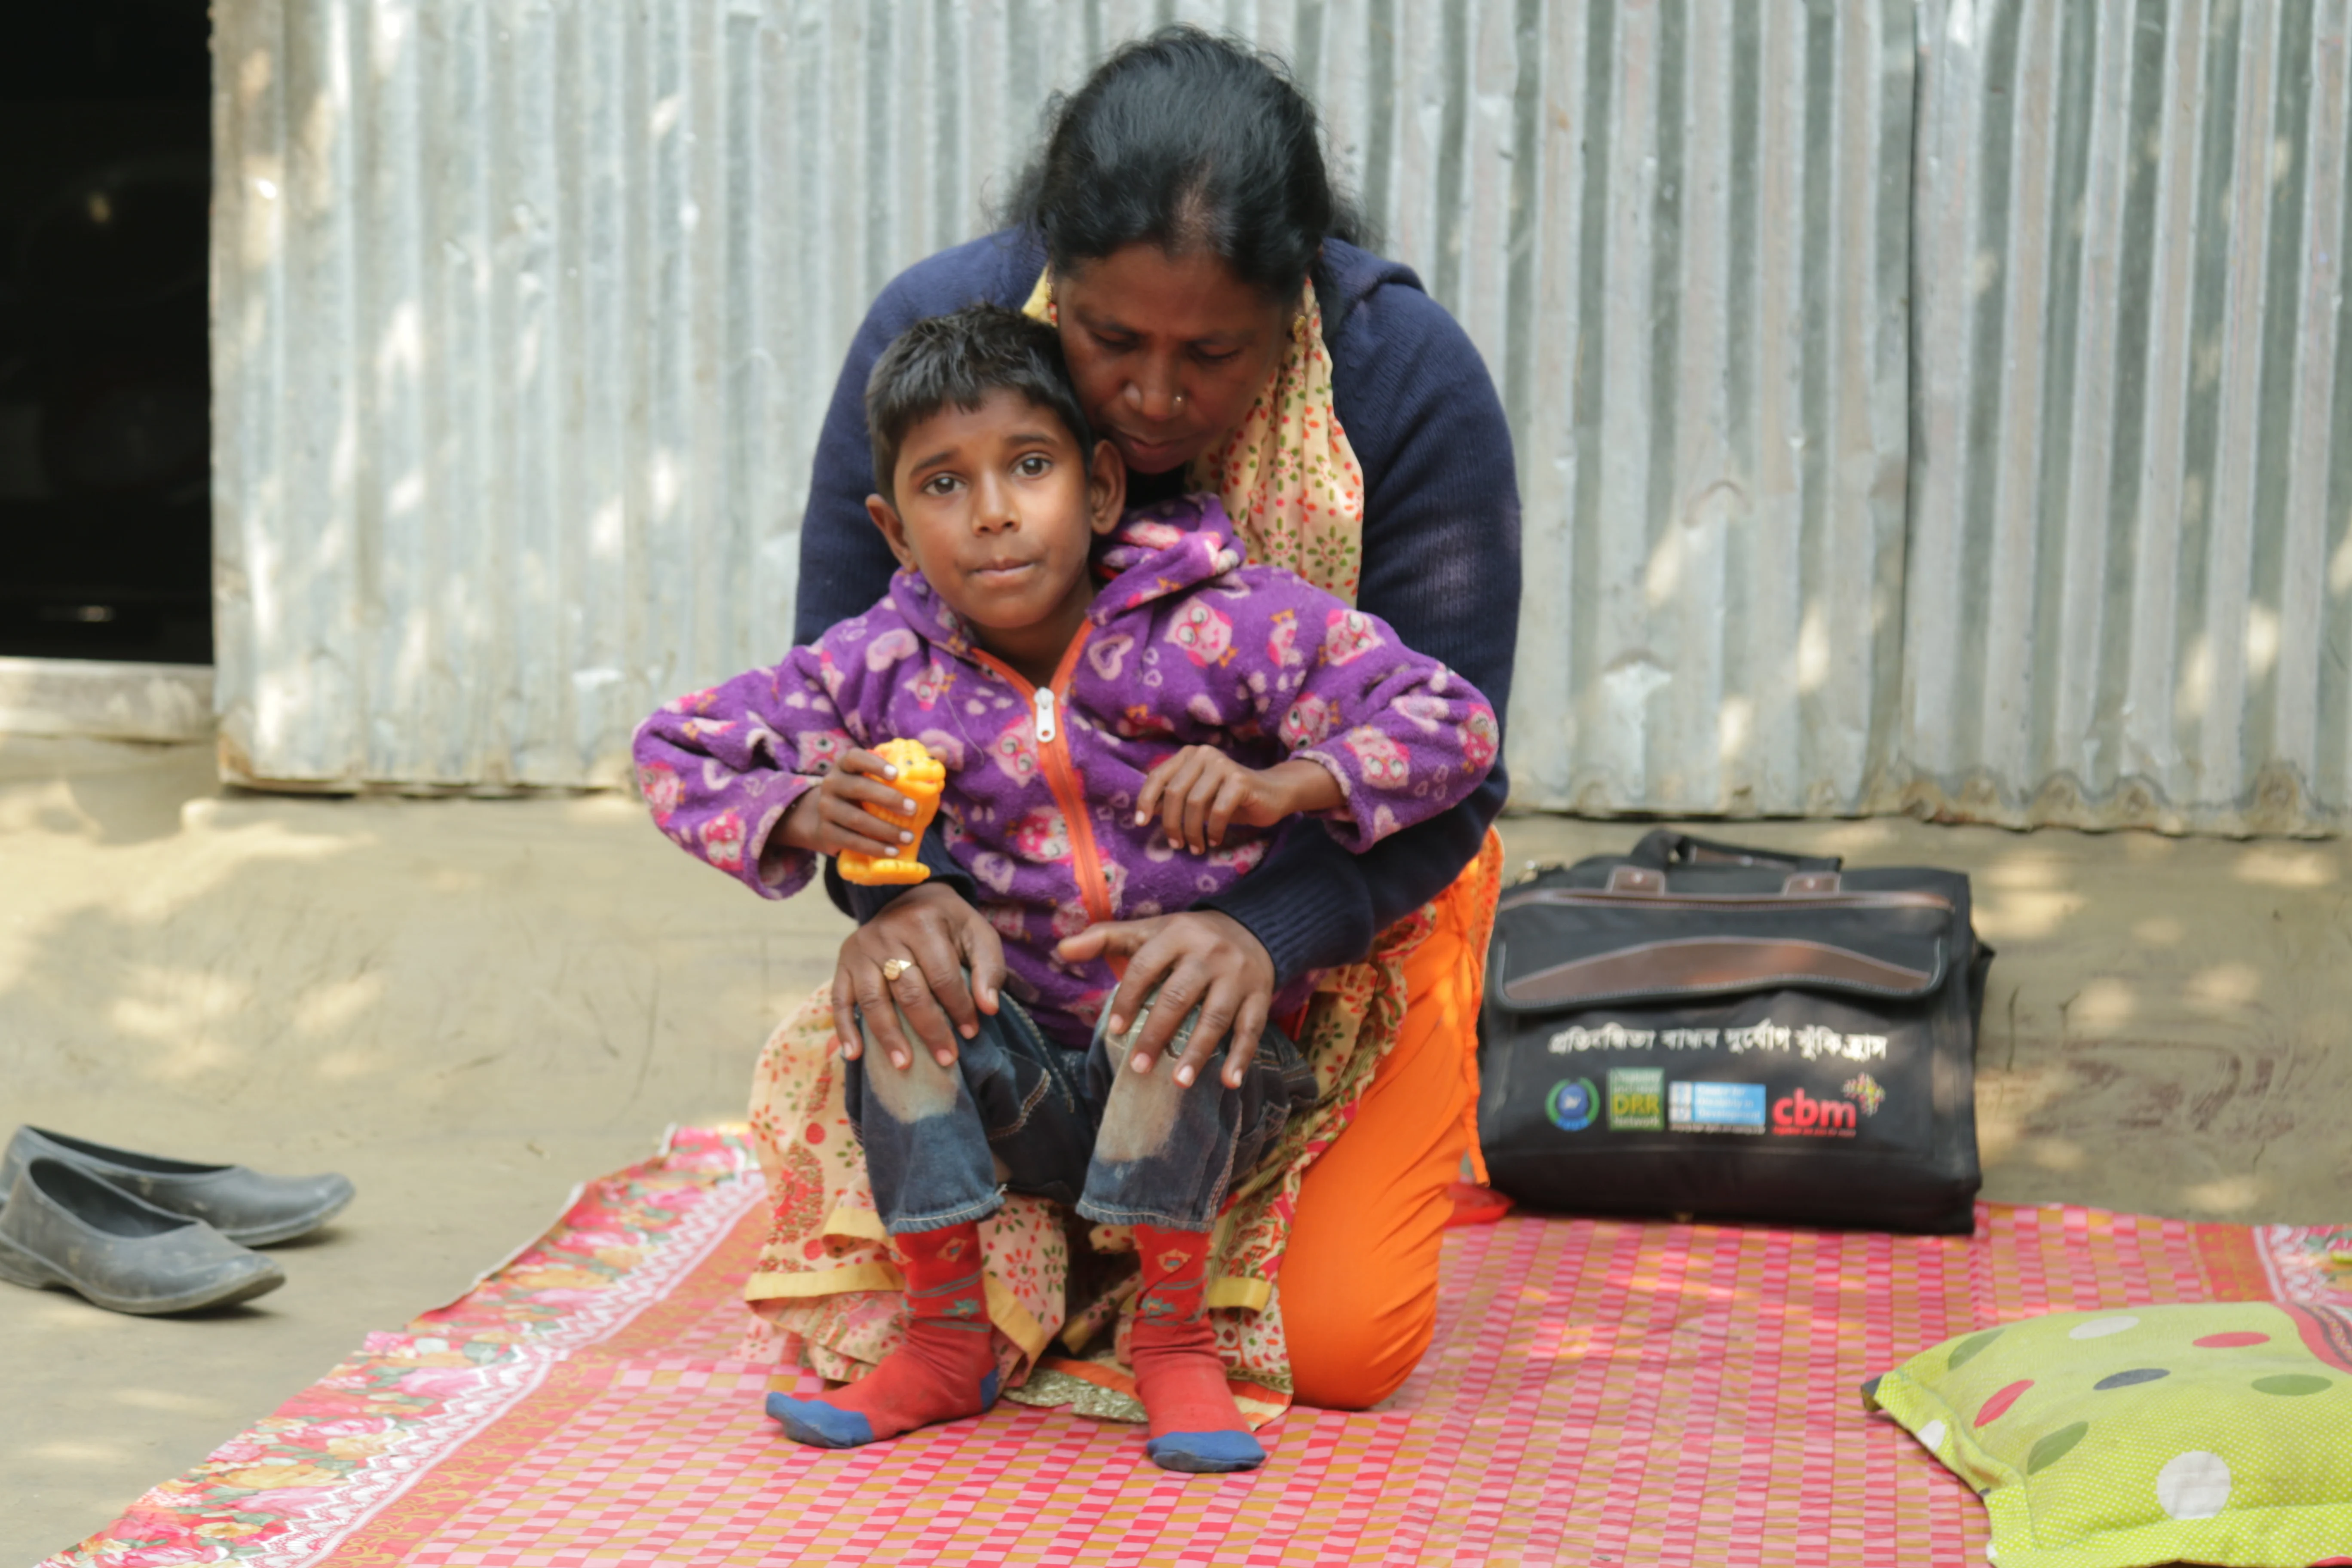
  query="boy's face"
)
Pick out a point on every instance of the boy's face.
point(998, 510)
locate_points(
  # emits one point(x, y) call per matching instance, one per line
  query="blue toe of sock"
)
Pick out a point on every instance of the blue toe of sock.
point(1204, 1453)
point(989, 1388)
point(819, 1424)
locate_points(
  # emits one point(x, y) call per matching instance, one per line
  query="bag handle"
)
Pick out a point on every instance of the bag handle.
point(1667, 850)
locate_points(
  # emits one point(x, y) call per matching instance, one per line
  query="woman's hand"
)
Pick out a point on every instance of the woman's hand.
point(1199, 792)
point(941, 937)
point(832, 817)
point(1199, 959)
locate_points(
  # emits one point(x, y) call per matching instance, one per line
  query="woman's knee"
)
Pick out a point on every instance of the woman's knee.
point(1350, 1349)
point(1359, 1277)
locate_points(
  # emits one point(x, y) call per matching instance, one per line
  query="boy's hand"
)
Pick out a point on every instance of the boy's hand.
point(1201, 792)
point(1201, 958)
point(833, 817)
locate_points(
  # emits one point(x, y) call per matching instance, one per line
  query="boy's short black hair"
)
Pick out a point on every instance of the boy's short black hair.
point(960, 358)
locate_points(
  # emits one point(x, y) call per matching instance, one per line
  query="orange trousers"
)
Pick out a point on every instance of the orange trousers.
point(1358, 1279)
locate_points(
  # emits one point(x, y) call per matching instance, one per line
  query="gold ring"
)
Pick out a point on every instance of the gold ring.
point(894, 967)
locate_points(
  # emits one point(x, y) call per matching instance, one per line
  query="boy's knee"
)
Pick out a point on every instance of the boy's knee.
point(1139, 1112)
point(920, 1089)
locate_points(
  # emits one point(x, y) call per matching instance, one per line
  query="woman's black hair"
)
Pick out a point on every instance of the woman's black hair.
point(1189, 142)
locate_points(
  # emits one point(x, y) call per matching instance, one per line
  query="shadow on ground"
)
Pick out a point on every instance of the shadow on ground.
point(467, 1006)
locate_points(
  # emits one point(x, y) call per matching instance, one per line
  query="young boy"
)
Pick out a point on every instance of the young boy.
point(1127, 714)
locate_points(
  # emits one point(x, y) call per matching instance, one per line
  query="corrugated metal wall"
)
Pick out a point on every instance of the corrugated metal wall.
point(528, 313)
point(1991, 476)
point(1711, 418)
point(2130, 578)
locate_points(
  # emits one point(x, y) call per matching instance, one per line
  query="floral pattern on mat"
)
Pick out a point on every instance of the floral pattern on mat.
point(283, 1491)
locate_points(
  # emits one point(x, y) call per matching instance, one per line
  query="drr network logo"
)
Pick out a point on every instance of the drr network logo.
point(1637, 1099)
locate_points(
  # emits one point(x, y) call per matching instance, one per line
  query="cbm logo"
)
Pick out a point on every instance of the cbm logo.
point(1572, 1104)
point(1802, 1116)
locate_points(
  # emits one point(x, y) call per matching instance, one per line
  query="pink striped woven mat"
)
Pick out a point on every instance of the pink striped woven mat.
point(1596, 1393)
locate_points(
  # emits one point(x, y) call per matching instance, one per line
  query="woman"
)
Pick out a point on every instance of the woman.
point(1181, 232)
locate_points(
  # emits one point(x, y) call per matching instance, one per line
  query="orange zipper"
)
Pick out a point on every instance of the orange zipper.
point(1046, 706)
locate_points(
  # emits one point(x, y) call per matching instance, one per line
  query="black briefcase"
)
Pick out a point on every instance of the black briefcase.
point(1700, 1029)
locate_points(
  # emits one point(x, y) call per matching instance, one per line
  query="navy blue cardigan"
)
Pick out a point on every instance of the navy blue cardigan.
point(1441, 560)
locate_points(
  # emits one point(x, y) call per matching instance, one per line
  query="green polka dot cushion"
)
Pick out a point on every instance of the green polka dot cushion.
point(2215, 1434)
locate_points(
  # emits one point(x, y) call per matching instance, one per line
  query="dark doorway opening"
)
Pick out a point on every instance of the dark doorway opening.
point(105, 410)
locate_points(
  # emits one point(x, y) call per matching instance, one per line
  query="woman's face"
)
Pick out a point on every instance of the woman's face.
point(1167, 351)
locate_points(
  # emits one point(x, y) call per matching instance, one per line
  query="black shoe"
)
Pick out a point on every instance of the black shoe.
point(243, 1205)
point(62, 1226)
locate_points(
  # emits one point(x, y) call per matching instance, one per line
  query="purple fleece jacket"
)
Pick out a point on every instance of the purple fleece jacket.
point(1440, 553)
point(1184, 645)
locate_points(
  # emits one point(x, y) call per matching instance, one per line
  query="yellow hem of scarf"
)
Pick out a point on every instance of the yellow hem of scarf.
point(1234, 1290)
point(1004, 1310)
point(873, 1275)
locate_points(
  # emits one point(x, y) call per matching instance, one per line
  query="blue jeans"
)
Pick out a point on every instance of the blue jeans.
point(1020, 1113)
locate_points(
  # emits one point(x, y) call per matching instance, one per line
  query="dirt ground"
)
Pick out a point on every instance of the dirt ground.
point(471, 1006)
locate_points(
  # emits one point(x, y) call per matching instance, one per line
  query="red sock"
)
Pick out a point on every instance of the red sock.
point(944, 1370)
point(1177, 1369)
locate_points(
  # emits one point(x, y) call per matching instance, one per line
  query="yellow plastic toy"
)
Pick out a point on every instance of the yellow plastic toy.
point(921, 779)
